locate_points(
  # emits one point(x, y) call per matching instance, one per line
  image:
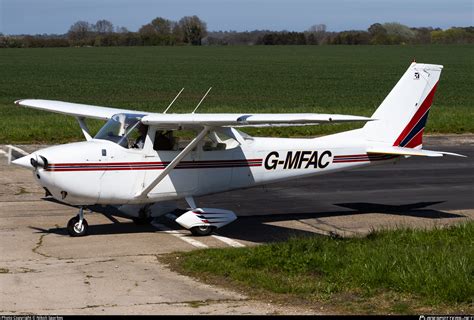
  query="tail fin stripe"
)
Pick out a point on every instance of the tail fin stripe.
point(414, 132)
point(416, 141)
point(419, 115)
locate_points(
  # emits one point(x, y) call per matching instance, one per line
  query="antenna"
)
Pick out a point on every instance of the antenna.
point(173, 100)
point(201, 100)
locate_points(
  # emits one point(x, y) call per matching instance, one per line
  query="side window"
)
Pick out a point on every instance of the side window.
point(215, 141)
point(165, 140)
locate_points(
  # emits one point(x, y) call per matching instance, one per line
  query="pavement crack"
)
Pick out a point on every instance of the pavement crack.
point(38, 246)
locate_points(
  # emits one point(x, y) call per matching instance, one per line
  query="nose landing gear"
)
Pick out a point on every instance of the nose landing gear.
point(78, 226)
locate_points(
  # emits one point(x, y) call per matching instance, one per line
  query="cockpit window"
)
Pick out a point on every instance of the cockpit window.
point(124, 129)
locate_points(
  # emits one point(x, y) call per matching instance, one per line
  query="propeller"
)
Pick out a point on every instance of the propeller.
point(41, 162)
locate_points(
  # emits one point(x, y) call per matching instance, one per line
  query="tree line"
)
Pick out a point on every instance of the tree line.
point(384, 34)
point(191, 30)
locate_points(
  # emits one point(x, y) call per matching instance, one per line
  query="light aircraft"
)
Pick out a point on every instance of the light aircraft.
point(136, 165)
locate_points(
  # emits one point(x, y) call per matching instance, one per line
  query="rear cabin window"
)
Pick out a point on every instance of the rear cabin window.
point(216, 141)
point(165, 140)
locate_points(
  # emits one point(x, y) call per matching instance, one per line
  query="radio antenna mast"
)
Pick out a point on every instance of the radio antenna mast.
point(201, 100)
point(173, 101)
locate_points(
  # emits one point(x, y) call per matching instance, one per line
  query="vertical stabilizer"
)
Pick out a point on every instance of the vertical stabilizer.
point(402, 116)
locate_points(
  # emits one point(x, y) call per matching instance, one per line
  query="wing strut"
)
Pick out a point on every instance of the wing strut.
point(84, 128)
point(173, 163)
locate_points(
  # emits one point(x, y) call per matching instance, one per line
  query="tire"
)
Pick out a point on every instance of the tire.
point(201, 231)
point(72, 227)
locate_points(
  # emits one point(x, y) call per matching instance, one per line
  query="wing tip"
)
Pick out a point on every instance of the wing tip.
point(18, 102)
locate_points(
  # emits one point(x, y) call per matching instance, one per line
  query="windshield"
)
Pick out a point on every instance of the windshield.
point(124, 129)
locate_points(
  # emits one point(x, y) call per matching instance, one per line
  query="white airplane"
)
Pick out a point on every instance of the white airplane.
point(136, 165)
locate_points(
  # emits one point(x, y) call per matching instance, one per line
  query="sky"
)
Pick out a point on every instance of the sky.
point(56, 16)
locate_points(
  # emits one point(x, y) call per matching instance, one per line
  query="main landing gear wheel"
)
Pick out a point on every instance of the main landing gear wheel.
point(202, 230)
point(76, 229)
point(144, 217)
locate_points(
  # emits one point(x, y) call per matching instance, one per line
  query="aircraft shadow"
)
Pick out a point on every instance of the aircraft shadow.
point(267, 233)
point(417, 210)
point(413, 210)
point(254, 228)
point(104, 229)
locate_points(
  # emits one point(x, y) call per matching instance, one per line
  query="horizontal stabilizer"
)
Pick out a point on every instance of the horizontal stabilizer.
point(410, 152)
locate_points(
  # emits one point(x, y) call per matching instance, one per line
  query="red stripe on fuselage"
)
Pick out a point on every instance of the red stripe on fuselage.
point(363, 158)
point(121, 166)
point(146, 163)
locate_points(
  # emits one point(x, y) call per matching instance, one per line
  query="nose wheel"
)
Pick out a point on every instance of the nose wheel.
point(202, 230)
point(78, 226)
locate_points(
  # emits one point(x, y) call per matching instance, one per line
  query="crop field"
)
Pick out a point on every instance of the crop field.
point(329, 79)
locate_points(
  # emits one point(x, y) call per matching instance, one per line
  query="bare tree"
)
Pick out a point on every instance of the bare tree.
point(177, 33)
point(80, 31)
point(193, 29)
point(104, 27)
point(119, 29)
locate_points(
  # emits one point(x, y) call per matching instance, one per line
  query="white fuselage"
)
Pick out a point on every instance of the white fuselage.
point(102, 172)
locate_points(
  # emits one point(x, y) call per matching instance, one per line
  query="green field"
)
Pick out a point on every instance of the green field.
point(332, 79)
point(400, 271)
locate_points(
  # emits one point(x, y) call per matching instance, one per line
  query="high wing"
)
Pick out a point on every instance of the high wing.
point(247, 120)
point(74, 109)
point(190, 119)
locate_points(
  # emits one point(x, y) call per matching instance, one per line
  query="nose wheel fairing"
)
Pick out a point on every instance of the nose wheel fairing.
point(203, 221)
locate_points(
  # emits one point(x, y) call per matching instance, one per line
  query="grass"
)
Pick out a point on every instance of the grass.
point(393, 271)
point(333, 79)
